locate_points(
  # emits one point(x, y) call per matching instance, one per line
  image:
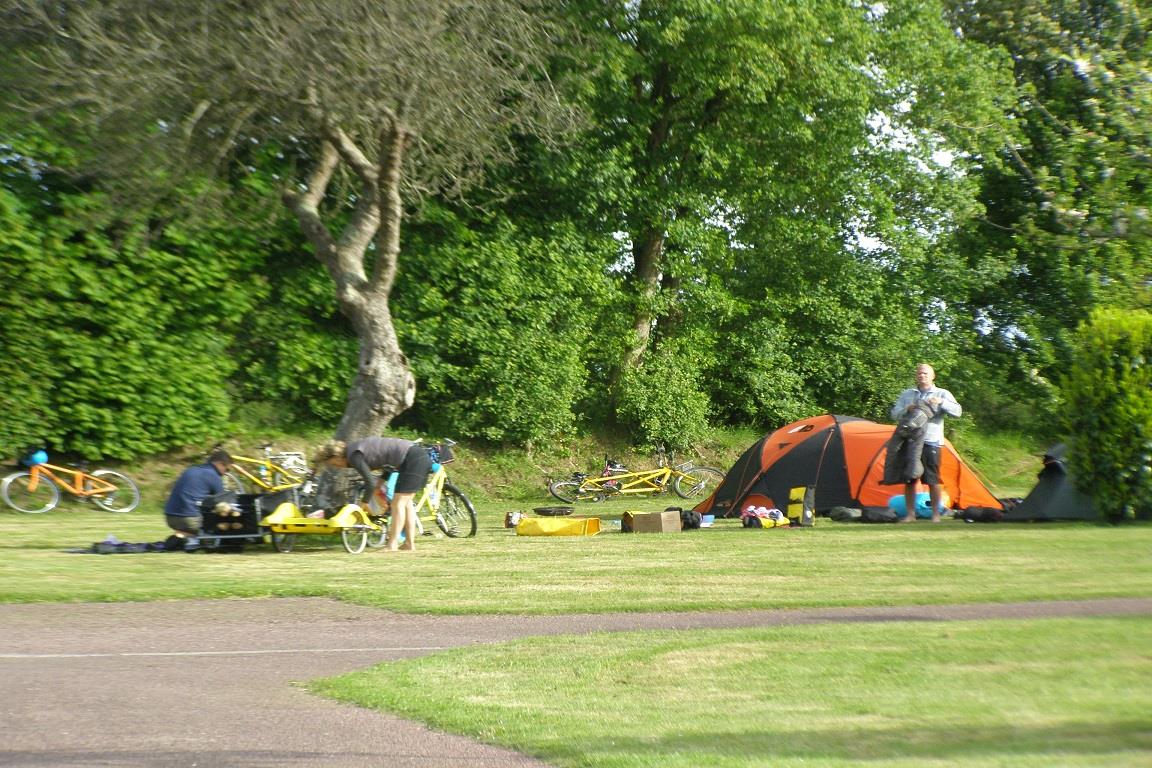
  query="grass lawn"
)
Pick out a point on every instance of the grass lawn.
point(1067, 692)
point(723, 568)
point(1052, 692)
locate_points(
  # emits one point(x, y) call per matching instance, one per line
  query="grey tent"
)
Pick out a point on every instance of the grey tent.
point(1054, 497)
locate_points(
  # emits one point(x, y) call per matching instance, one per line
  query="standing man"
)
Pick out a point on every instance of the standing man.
point(182, 510)
point(941, 402)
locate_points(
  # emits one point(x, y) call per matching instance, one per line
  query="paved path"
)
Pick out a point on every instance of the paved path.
point(210, 683)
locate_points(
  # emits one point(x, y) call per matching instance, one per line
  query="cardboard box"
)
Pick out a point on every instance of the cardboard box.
point(650, 522)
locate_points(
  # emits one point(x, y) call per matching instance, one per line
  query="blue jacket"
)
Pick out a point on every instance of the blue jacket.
point(193, 486)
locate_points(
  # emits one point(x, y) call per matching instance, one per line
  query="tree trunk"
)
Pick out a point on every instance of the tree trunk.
point(646, 276)
point(384, 385)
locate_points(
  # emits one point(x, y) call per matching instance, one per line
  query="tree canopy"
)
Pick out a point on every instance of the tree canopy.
point(513, 220)
point(397, 100)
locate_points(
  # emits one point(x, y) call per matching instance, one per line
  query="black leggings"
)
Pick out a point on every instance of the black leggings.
point(413, 470)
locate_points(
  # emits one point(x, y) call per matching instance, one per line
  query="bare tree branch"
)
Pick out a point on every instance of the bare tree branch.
point(407, 96)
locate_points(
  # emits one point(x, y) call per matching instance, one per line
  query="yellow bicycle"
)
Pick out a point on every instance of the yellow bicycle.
point(277, 471)
point(362, 523)
point(440, 504)
point(686, 479)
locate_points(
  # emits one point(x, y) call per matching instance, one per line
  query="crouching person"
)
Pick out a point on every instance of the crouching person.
point(182, 509)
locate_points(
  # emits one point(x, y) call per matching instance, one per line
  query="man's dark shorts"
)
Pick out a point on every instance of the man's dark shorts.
point(931, 458)
point(414, 469)
point(185, 524)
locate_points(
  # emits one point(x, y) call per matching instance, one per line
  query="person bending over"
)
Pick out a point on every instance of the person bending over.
point(371, 454)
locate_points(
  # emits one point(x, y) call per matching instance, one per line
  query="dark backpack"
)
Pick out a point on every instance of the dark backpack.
point(878, 515)
point(983, 515)
point(845, 514)
point(689, 518)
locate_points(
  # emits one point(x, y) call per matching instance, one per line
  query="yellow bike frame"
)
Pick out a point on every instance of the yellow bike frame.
point(265, 473)
point(646, 481)
point(427, 506)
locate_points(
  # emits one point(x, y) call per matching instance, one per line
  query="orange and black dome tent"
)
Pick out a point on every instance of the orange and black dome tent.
point(843, 458)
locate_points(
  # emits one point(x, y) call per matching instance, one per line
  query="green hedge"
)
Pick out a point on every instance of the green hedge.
point(1108, 398)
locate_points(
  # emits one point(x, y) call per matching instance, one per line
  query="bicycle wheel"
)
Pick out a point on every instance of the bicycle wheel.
point(125, 497)
point(456, 516)
point(232, 482)
point(378, 538)
point(17, 495)
point(573, 491)
point(354, 539)
point(283, 542)
point(697, 481)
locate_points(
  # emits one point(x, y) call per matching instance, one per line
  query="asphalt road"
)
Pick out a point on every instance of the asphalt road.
point(210, 684)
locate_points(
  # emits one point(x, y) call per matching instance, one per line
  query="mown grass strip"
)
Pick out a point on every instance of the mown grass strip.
point(725, 568)
point(1067, 692)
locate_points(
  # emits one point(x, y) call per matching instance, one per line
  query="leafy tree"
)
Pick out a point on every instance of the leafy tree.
point(370, 105)
point(1067, 200)
point(749, 119)
point(682, 79)
point(1108, 407)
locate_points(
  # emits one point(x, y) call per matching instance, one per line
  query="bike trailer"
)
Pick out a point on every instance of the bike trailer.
point(286, 518)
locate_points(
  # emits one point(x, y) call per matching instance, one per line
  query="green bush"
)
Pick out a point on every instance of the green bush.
point(1108, 401)
point(118, 343)
point(759, 382)
point(499, 325)
point(662, 403)
point(295, 349)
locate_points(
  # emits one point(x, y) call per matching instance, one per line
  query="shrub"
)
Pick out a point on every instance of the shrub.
point(662, 403)
point(117, 343)
point(499, 325)
point(1108, 402)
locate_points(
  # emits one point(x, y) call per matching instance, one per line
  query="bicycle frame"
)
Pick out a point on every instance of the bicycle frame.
point(265, 469)
point(663, 478)
point(427, 502)
point(644, 481)
point(78, 482)
point(439, 505)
